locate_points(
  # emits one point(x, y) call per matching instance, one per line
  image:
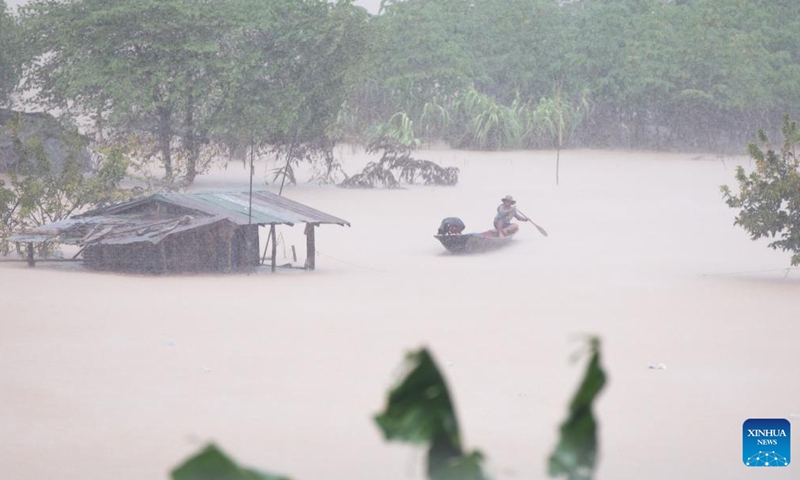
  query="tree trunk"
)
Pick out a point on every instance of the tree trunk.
point(191, 143)
point(165, 139)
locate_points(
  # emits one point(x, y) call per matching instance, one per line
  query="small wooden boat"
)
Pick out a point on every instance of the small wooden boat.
point(474, 242)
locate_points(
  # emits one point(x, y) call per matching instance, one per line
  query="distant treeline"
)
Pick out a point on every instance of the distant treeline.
point(645, 73)
point(175, 78)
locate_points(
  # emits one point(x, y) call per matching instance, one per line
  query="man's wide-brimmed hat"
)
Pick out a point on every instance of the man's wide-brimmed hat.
point(508, 198)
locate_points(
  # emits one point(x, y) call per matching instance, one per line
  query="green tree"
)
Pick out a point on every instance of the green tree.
point(720, 79)
point(417, 54)
point(10, 59)
point(658, 74)
point(769, 197)
point(186, 75)
point(517, 47)
point(292, 66)
point(149, 68)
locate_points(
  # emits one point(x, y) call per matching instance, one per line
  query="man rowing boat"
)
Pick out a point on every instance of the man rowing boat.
point(505, 213)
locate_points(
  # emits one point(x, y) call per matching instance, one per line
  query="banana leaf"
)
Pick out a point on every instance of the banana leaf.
point(576, 453)
point(419, 411)
point(465, 467)
point(211, 463)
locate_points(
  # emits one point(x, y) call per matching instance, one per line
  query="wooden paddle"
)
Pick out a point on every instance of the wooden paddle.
point(541, 230)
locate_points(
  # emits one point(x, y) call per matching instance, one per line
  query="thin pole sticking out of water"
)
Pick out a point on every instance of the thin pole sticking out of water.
point(250, 207)
point(558, 152)
point(274, 247)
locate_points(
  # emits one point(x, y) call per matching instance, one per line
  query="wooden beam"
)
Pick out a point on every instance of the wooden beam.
point(274, 246)
point(162, 253)
point(31, 258)
point(266, 247)
point(311, 251)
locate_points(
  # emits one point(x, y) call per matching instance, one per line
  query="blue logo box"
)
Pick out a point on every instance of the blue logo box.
point(767, 442)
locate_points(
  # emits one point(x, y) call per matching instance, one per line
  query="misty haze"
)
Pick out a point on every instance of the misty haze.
point(610, 142)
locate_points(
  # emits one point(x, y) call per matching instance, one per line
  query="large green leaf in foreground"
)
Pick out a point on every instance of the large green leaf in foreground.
point(419, 411)
point(576, 453)
point(211, 463)
point(419, 408)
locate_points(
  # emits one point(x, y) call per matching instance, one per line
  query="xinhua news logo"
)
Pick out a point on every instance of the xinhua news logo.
point(767, 442)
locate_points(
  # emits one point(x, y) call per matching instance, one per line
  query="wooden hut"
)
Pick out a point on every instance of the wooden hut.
point(182, 232)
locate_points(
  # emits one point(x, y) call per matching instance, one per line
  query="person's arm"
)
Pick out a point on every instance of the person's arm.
point(519, 216)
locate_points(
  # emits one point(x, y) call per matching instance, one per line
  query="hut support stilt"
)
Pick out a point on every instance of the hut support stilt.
point(311, 251)
point(229, 251)
point(31, 258)
point(162, 253)
point(274, 246)
point(266, 247)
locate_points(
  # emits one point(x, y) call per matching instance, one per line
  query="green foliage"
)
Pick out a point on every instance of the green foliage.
point(398, 131)
point(10, 61)
point(419, 408)
point(193, 77)
point(188, 76)
point(416, 53)
point(659, 74)
point(488, 125)
point(396, 165)
point(473, 120)
point(420, 411)
point(153, 68)
point(326, 169)
point(769, 197)
point(518, 47)
point(41, 192)
point(576, 453)
point(211, 463)
point(291, 65)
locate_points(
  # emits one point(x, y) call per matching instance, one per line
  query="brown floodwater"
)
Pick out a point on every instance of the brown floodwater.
point(122, 376)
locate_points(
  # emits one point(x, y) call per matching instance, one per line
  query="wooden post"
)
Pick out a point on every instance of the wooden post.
point(228, 250)
point(31, 259)
point(274, 246)
point(311, 251)
point(266, 247)
point(162, 253)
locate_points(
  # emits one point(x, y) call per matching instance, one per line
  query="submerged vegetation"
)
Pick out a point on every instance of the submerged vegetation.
point(396, 166)
point(420, 411)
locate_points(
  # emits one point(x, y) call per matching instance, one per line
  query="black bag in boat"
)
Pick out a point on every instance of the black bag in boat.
point(451, 226)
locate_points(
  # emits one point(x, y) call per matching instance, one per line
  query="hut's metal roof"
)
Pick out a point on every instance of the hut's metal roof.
point(130, 222)
point(268, 208)
point(113, 229)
